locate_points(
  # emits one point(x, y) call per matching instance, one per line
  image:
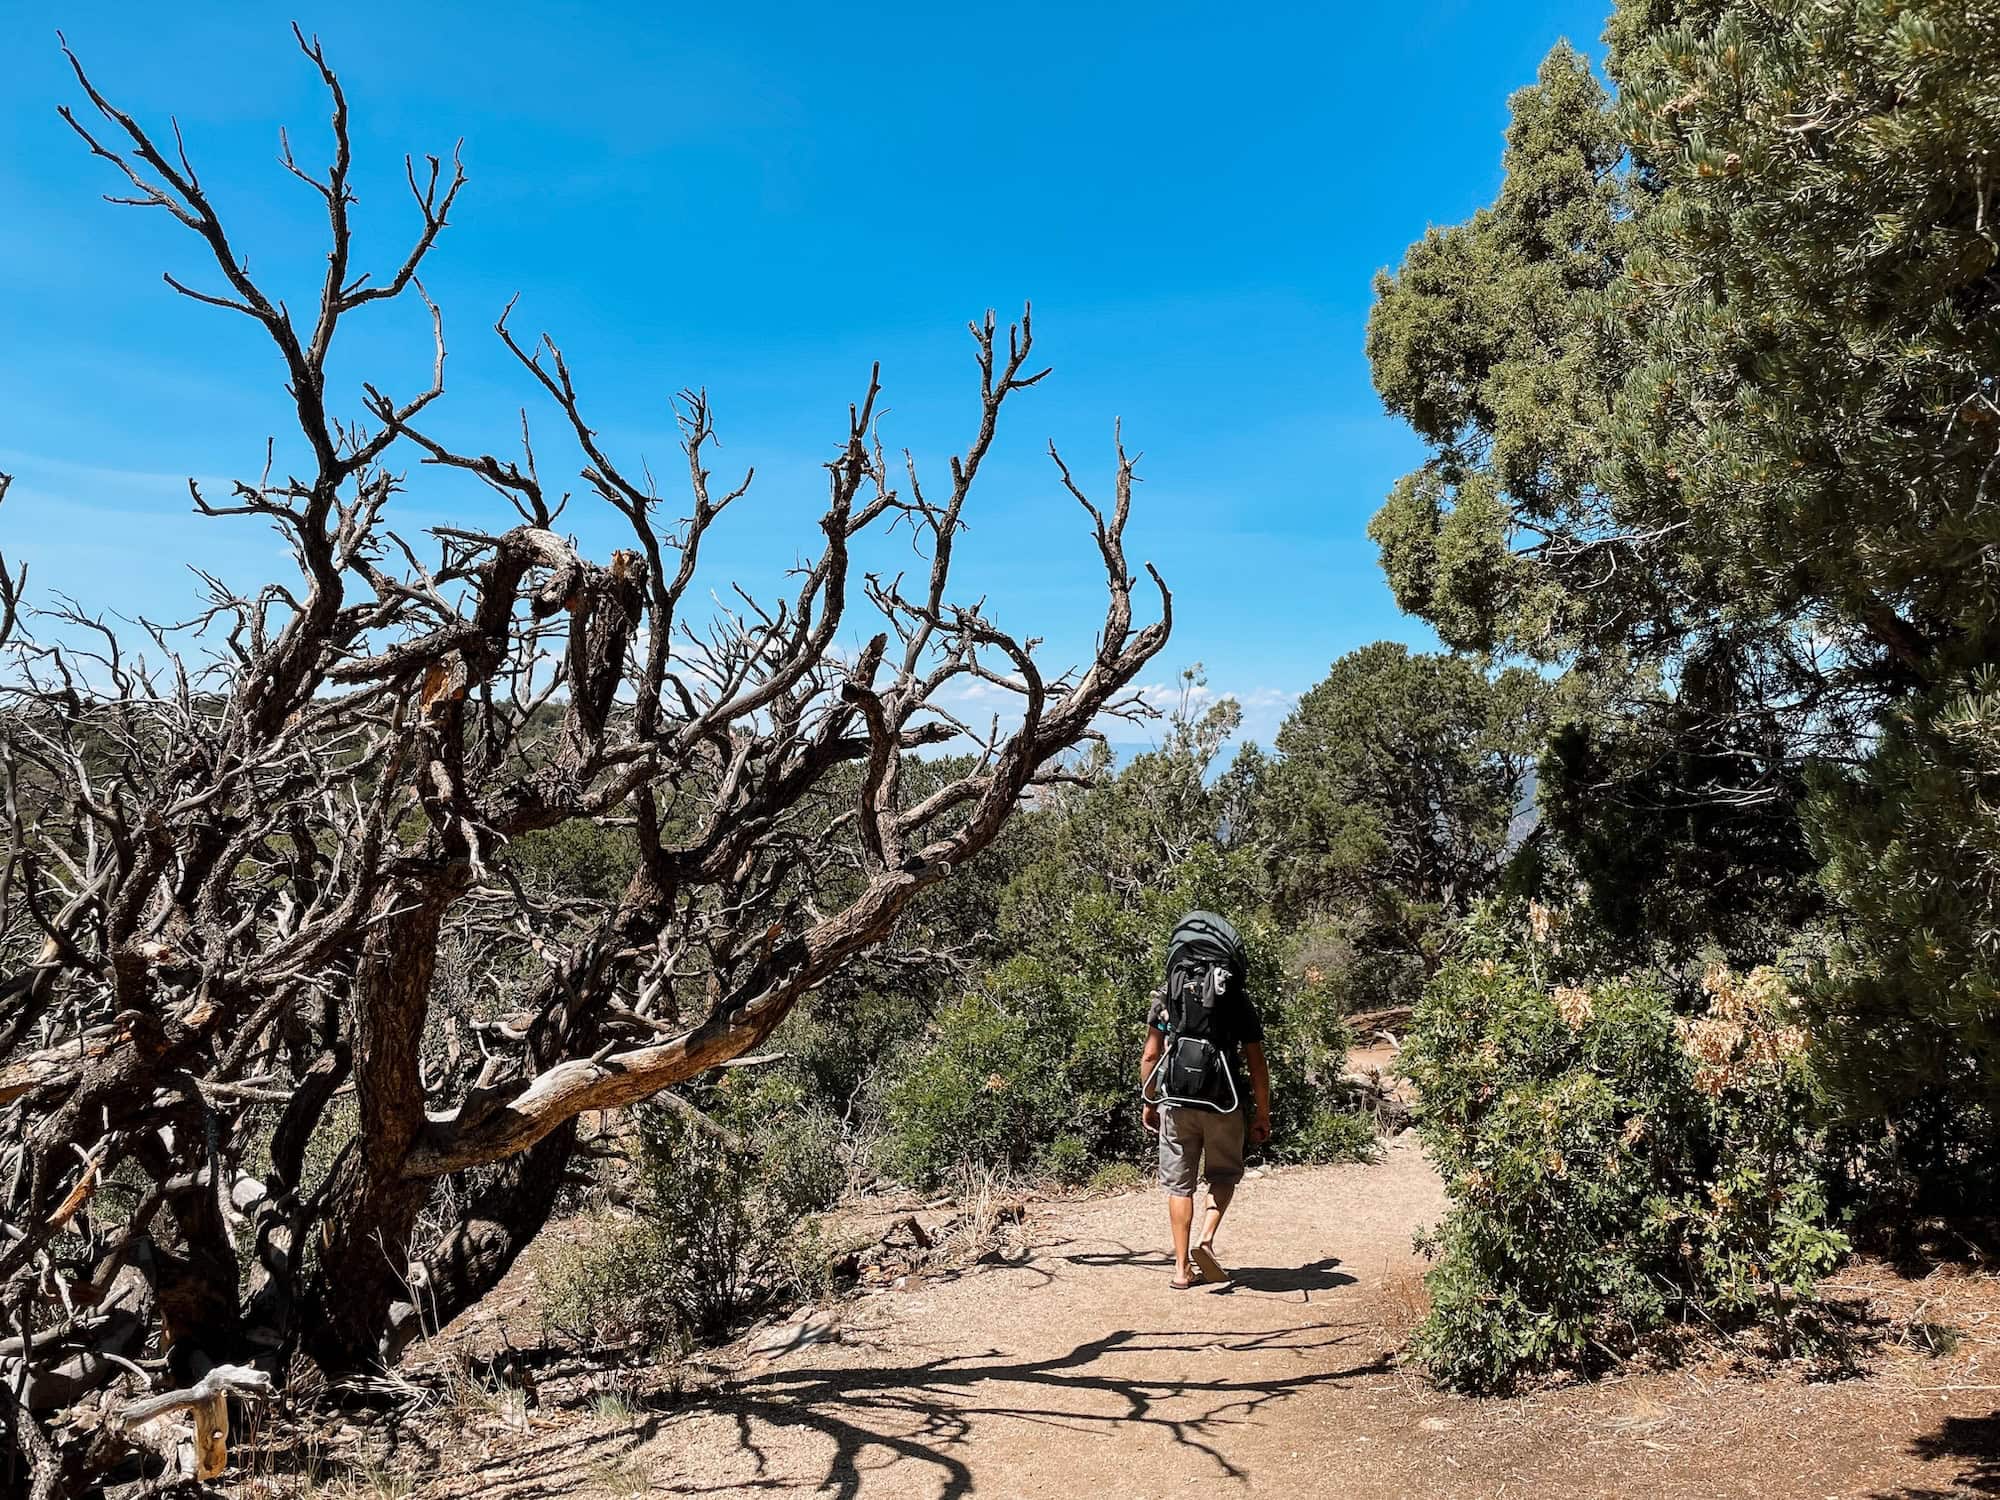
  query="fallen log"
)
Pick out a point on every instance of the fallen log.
point(1391, 1021)
point(1380, 1097)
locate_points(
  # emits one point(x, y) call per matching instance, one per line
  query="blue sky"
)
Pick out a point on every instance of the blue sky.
point(761, 199)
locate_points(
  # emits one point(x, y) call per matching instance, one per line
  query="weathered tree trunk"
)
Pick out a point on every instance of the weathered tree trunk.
point(470, 1259)
point(362, 1268)
point(195, 1284)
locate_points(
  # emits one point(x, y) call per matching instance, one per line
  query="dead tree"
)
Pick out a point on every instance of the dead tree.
point(247, 853)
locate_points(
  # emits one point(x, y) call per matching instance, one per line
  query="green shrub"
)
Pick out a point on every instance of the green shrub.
point(1035, 1066)
point(1066, 1158)
point(1116, 1177)
point(577, 858)
point(720, 1230)
point(1306, 1042)
point(1614, 1169)
point(798, 1160)
point(1017, 1073)
point(611, 1287)
point(1326, 1133)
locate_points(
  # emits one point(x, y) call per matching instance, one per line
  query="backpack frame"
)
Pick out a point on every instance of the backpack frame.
point(1206, 970)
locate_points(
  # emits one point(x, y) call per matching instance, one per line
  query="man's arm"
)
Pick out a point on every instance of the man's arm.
point(1149, 1058)
point(1260, 1086)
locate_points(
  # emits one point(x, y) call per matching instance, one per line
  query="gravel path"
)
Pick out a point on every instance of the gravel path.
point(1077, 1372)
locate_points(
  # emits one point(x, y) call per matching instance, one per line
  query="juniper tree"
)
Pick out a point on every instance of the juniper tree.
point(1489, 341)
point(1496, 339)
point(1390, 806)
point(1713, 381)
point(1817, 290)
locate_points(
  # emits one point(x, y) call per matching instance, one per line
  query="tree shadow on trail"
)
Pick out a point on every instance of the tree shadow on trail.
point(1319, 1276)
point(1316, 1276)
point(1973, 1439)
point(1124, 1255)
point(940, 1413)
point(925, 1412)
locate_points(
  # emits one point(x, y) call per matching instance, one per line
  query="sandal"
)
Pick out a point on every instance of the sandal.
point(1211, 1268)
point(1177, 1285)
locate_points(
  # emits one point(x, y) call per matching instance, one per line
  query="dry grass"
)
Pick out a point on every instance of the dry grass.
point(988, 1218)
point(1405, 1299)
point(617, 1404)
point(981, 1190)
point(621, 1480)
point(474, 1400)
point(362, 1479)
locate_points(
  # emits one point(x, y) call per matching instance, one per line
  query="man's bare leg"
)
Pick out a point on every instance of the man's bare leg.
point(1180, 1216)
point(1219, 1194)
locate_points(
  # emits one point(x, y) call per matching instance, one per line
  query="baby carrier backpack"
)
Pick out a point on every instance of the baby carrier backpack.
point(1206, 971)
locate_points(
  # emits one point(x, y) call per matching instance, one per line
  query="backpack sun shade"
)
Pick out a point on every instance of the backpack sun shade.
point(1206, 971)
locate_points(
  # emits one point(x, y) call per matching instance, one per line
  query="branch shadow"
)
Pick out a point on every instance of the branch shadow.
point(1124, 1255)
point(1022, 1261)
point(1318, 1276)
point(928, 1412)
point(1973, 1439)
point(947, 1398)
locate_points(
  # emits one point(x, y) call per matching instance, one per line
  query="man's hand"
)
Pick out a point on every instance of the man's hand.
point(1149, 1059)
point(1260, 1093)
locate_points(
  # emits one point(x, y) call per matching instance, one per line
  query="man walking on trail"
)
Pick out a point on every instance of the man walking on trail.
point(1205, 1084)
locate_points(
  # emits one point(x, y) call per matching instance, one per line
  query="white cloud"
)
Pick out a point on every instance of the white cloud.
point(1264, 709)
point(1166, 697)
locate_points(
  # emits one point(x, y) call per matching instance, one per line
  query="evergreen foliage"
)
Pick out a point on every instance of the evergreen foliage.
point(1392, 802)
point(1816, 395)
point(1033, 1064)
point(1490, 341)
point(1709, 397)
point(1709, 392)
point(1813, 292)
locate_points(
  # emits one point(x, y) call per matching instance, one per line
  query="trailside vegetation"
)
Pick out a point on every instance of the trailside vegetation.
point(1708, 394)
point(1621, 1165)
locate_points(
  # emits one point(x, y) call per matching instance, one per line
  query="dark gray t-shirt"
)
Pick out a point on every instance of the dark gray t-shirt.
point(1236, 1027)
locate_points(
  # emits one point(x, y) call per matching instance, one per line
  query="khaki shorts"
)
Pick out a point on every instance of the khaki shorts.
point(1200, 1142)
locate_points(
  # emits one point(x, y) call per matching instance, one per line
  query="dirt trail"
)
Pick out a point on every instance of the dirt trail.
point(1077, 1372)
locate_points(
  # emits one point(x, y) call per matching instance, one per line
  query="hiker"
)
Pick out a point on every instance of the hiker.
point(1204, 1044)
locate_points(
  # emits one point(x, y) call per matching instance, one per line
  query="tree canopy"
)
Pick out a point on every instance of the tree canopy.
point(1395, 791)
point(1709, 396)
